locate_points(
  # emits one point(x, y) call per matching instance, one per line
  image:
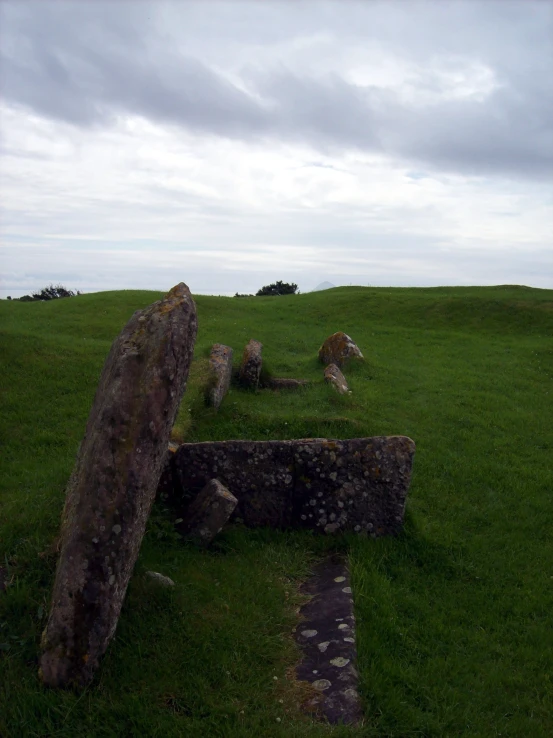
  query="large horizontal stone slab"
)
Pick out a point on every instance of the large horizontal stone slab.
point(326, 485)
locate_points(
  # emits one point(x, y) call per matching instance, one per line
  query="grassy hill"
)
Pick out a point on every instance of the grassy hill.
point(454, 617)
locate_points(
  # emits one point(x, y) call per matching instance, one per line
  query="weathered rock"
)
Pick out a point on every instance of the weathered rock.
point(326, 636)
point(250, 369)
point(358, 484)
point(338, 349)
point(113, 484)
point(207, 513)
point(285, 384)
point(335, 378)
point(160, 579)
point(220, 365)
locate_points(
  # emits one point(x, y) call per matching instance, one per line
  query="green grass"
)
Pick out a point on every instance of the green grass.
point(454, 617)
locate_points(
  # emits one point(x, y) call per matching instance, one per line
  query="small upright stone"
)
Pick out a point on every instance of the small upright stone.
point(335, 378)
point(113, 484)
point(220, 365)
point(338, 349)
point(250, 370)
point(208, 512)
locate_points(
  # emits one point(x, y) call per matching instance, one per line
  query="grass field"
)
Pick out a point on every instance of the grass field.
point(454, 617)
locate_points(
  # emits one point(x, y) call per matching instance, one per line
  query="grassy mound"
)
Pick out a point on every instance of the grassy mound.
point(454, 617)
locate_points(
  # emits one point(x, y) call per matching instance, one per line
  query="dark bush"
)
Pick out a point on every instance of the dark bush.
point(277, 288)
point(53, 293)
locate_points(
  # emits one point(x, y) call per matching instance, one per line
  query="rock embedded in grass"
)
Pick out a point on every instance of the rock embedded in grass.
point(160, 579)
point(326, 637)
point(338, 349)
point(336, 379)
point(285, 383)
point(113, 484)
point(220, 368)
point(250, 369)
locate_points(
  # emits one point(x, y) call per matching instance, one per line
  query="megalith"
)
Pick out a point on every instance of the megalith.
point(113, 484)
point(220, 368)
point(326, 485)
point(250, 369)
point(338, 349)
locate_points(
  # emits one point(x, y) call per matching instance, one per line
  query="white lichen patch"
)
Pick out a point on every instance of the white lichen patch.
point(343, 626)
point(349, 639)
point(339, 579)
point(339, 661)
point(116, 529)
point(323, 646)
point(321, 684)
point(347, 590)
point(309, 633)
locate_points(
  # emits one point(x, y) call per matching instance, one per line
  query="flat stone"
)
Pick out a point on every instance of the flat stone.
point(250, 369)
point(329, 486)
point(160, 579)
point(336, 379)
point(220, 367)
point(285, 384)
point(113, 484)
point(338, 349)
point(328, 660)
point(207, 513)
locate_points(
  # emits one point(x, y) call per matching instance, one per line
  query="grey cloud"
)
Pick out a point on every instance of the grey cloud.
point(86, 63)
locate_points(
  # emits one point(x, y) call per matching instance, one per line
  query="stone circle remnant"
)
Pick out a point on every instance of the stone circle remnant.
point(250, 369)
point(330, 486)
point(220, 367)
point(336, 379)
point(113, 484)
point(338, 349)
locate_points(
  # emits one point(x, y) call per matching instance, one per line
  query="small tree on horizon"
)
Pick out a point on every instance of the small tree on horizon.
point(278, 288)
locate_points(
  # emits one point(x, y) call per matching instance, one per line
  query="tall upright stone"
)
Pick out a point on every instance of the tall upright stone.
point(113, 484)
point(250, 369)
point(220, 373)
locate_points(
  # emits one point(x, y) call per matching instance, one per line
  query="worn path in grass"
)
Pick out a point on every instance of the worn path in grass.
point(453, 618)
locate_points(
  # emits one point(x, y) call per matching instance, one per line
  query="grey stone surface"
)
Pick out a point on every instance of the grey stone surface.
point(113, 484)
point(250, 369)
point(285, 384)
point(338, 349)
point(160, 579)
point(359, 484)
point(326, 636)
point(207, 513)
point(336, 379)
point(220, 367)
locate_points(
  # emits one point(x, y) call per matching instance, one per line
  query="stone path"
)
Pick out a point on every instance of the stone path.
point(326, 635)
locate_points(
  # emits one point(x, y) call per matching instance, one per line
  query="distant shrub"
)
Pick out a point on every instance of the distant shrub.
point(278, 288)
point(53, 292)
point(237, 295)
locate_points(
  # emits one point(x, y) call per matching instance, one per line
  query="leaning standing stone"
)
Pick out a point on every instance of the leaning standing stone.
point(250, 370)
point(113, 484)
point(335, 378)
point(220, 365)
point(208, 512)
point(338, 349)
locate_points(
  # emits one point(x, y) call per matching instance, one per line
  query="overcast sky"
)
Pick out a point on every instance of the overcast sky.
point(231, 144)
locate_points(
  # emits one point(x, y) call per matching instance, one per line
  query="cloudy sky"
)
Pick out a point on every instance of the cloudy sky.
point(231, 144)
